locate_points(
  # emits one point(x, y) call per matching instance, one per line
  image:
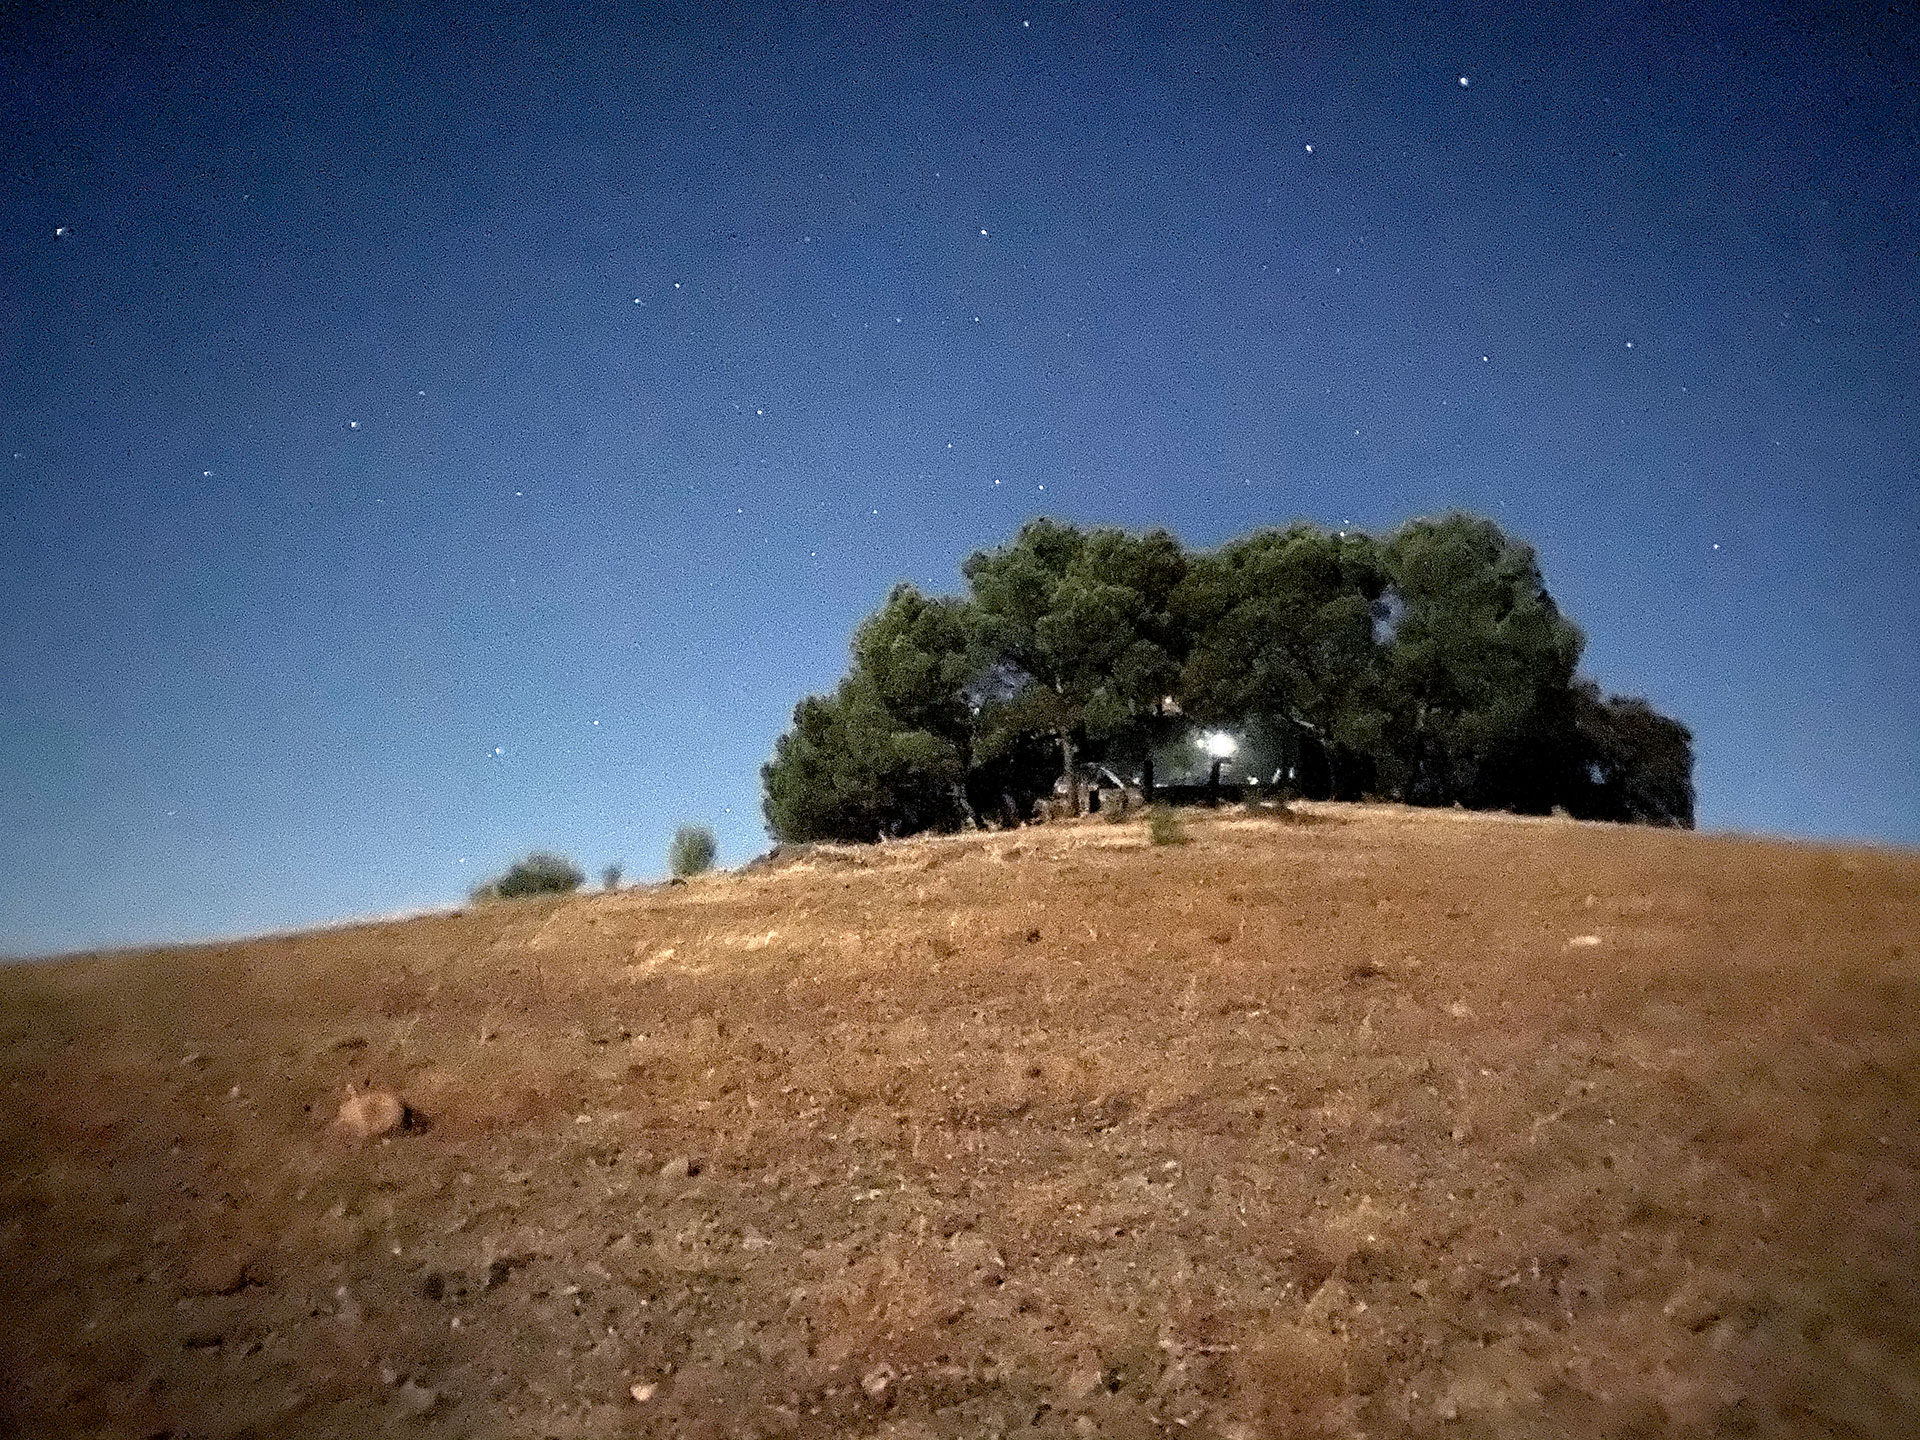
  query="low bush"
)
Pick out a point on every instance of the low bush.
point(692, 851)
point(1164, 826)
point(539, 874)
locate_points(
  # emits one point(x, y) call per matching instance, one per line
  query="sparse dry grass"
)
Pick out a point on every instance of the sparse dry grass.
point(1320, 1129)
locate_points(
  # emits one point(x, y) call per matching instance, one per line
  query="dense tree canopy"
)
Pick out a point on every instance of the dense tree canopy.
point(1431, 667)
point(1072, 634)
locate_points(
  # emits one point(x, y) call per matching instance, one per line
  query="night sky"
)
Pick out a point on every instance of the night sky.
point(431, 433)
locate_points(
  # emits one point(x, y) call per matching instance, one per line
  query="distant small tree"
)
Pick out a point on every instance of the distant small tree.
point(692, 851)
point(610, 877)
point(540, 874)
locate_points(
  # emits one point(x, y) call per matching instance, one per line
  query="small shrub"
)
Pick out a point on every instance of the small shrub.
point(540, 874)
point(610, 878)
point(692, 851)
point(1164, 826)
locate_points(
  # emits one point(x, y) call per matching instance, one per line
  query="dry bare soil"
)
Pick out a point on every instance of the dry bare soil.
point(1388, 1123)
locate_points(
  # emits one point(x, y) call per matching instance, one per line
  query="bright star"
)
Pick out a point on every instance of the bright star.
point(1464, 82)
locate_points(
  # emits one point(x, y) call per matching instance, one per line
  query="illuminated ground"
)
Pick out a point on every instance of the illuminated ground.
point(1388, 1123)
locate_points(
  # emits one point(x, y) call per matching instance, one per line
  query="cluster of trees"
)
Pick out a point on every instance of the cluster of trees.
point(1430, 667)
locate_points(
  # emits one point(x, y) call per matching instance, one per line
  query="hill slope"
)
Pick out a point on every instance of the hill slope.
point(1333, 1128)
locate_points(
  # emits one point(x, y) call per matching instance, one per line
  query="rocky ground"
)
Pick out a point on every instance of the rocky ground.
point(1369, 1122)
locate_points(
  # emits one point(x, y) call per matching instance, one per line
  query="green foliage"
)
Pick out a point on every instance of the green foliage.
point(1077, 634)
point(1431, 667)
point(610, 877)
point(1639, 763)
point(540, 873)
point(1478, 677)
point(899, 746)
point(692, 851)
point(1284, 630)
point(1164, 826)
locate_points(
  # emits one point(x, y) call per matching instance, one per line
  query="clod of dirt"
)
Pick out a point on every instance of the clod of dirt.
point(643, 1392)
point(876, 1381)
point(369, 1116)
point(681, 1167)
point(223, 1274)
point(415, 1397)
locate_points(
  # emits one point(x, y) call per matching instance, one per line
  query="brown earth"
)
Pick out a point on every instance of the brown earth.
point(1331, 1128)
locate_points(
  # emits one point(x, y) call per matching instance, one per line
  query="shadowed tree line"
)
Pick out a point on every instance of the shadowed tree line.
point(1431, 667)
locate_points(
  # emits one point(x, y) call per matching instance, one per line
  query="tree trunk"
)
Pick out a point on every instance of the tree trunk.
point(1073, 771)
point(1146, 780)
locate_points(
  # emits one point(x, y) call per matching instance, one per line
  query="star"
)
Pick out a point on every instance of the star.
point(1464, 82)
point(1629, 344)
point(983, 232)
point(497, 750)
point(1309, 149)
point(353, 424)
point(61, 231)
point(206, 474)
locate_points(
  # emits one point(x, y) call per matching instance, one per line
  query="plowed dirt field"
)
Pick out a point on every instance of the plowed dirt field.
point(1373, 1122)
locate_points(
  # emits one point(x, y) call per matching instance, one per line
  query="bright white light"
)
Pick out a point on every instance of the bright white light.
point(1218, 744)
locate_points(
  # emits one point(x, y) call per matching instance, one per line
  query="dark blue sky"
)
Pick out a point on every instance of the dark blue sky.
point(427, 433)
